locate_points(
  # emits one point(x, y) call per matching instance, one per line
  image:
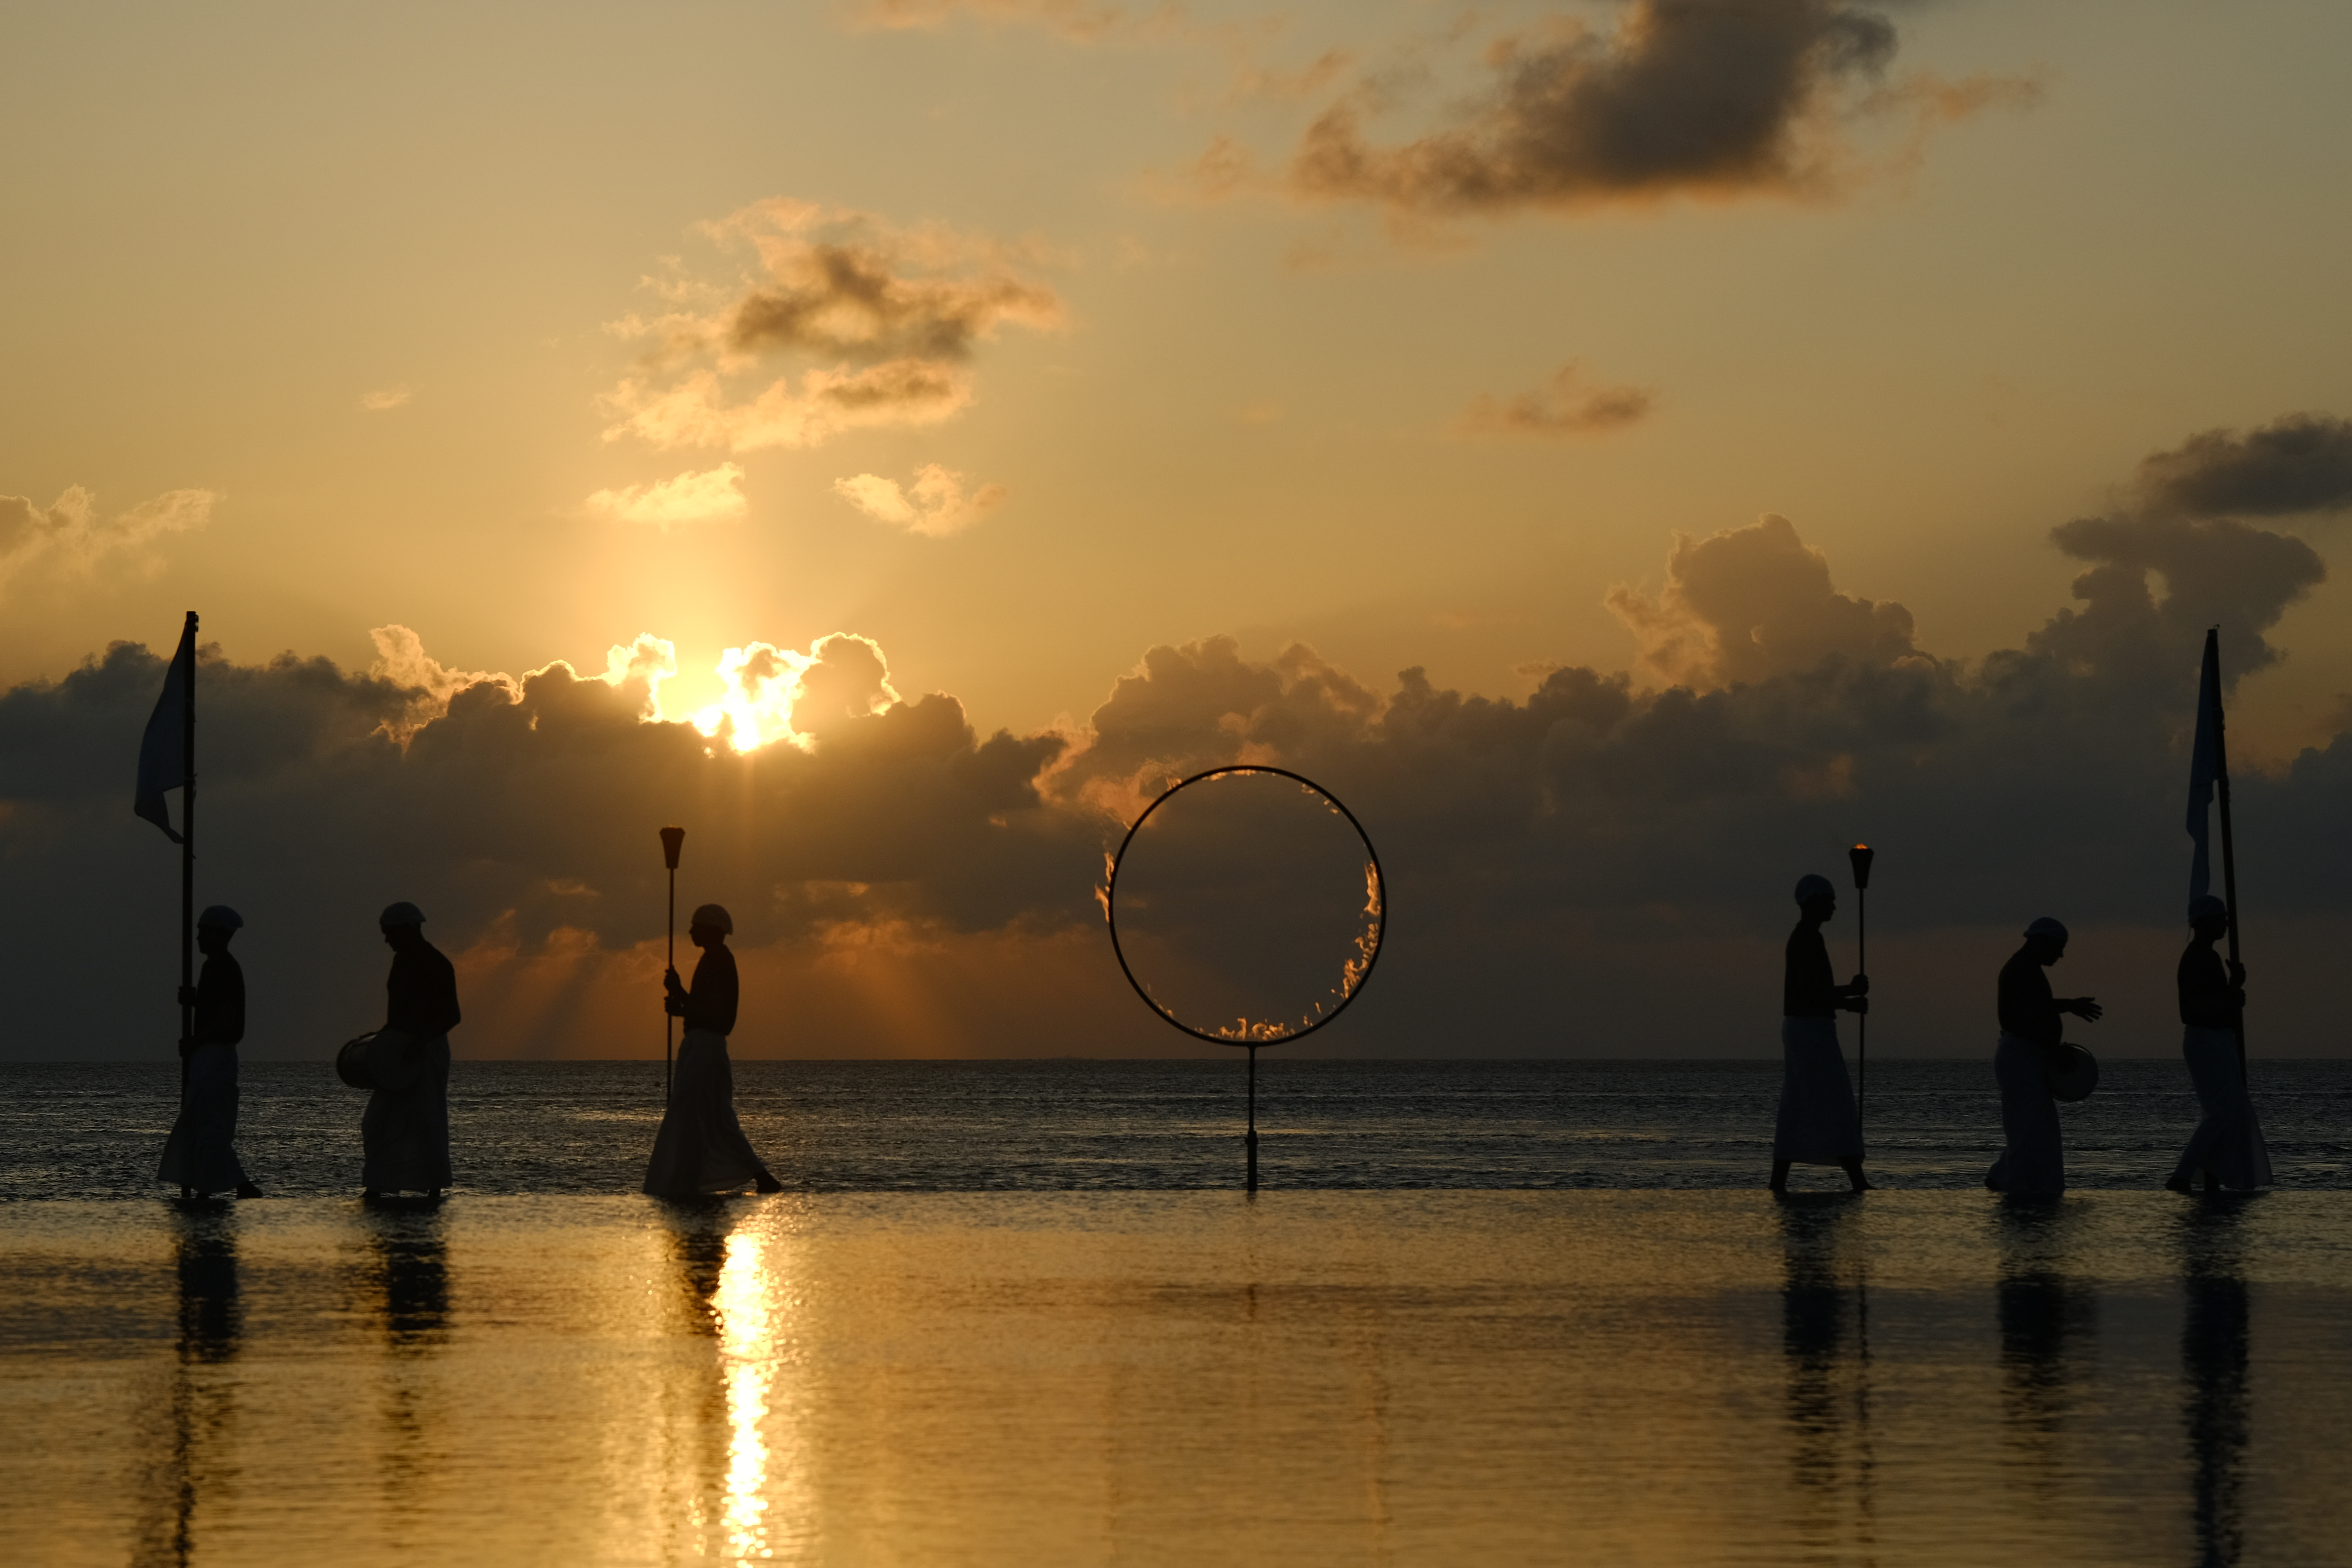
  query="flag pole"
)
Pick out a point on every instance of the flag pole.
point(2229, 845)
point(1861, 855)
point(672, 840)
point(188, 856)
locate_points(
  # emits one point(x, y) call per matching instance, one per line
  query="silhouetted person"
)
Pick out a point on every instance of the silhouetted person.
point(2031, 1034)
point(1817, 1123)
point(404, 1131)
point(200, 1156)
point(700, 1147)
point(2228, 1143)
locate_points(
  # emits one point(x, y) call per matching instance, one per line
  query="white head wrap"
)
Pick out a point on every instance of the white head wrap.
point(403, 913)
point(2047, 927)
point(714, 915)
point(1812, 885)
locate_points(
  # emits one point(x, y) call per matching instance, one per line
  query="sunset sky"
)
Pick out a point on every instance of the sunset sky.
point(1022, 337)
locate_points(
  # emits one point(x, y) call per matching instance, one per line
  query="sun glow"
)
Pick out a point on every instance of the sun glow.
point(762, 683)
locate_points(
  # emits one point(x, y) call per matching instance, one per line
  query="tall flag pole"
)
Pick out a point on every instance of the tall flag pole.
point(167, 760)
point(1861, 855)
point(2209, 780)
point(672, 839)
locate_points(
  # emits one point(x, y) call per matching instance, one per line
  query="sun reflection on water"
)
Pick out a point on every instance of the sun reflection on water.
point(746, 1327)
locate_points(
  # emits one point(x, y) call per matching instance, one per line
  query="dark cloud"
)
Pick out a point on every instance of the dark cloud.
point(2302, 462)
point(1750, 603)
point(1681, 96)
point(851, 301)
point(884, 318)
point(1598, 868)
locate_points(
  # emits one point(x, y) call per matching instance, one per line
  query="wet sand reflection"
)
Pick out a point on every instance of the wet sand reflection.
point(196, 1409)
point(2049, 1332)
point(1826, 1351)
point(2215, 1355)
point(406, 1272)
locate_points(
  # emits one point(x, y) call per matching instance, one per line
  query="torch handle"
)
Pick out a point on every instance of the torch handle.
point(672, 964)
point(1862, 1022)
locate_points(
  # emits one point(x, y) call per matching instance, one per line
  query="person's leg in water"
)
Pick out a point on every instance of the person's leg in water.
point(1854, 1174)
point(1779, 1182)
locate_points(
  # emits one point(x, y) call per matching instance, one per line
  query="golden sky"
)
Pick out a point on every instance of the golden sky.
point(1020, 337)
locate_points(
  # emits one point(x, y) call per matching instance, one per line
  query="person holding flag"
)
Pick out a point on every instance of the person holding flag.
point(2228, 1143)
point(200, 1156)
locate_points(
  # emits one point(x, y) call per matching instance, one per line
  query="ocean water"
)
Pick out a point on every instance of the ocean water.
point(1016, 1314)
point(95, 1129)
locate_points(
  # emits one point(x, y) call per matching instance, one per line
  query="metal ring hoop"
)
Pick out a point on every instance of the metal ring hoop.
point(1379, 918)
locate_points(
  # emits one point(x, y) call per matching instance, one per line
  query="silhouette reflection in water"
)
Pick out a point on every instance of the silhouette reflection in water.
point(407, 1271)
point(2214, 1353)
point(193, 1415)
point(737, 1437)
point(2049, 1324)
point(1825, 1348)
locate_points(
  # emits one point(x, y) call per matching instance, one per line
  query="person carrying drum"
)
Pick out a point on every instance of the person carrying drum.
point(2228, 1143)
point(200, 1156)
point(700, 1148)
point(404, 1131)
point(1817, 1123)
point(2032, 1041)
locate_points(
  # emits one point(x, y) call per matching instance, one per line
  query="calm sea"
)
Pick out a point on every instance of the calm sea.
point(95, 1129)
point(1525, 1313)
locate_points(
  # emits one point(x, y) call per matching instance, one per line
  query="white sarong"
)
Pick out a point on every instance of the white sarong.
point(2036, 1159)
point(405, 1132)
point(1817, 1123)
point(201, 1153)
point(2228, 1141)
point(700, 1147)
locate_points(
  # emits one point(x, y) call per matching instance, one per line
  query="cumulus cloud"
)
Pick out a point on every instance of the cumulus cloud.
point(69, 538)
point(934, 504)
point(709, 496)
point(1750, 603)
point(1679, 96)
point(385, 399)
point(889, 316)
point(1564, 406)
point(2302, 462)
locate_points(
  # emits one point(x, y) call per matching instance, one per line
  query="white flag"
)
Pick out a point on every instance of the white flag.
point(163, 749)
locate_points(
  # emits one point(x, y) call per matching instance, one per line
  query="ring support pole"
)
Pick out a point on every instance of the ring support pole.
point(1249, 1138)
point(1377, 889)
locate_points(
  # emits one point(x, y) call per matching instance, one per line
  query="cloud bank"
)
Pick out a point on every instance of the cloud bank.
point(1601, 868)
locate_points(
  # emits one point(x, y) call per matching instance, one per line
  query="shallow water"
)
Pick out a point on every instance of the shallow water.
point(1308, 1378)
point(95, 1129)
